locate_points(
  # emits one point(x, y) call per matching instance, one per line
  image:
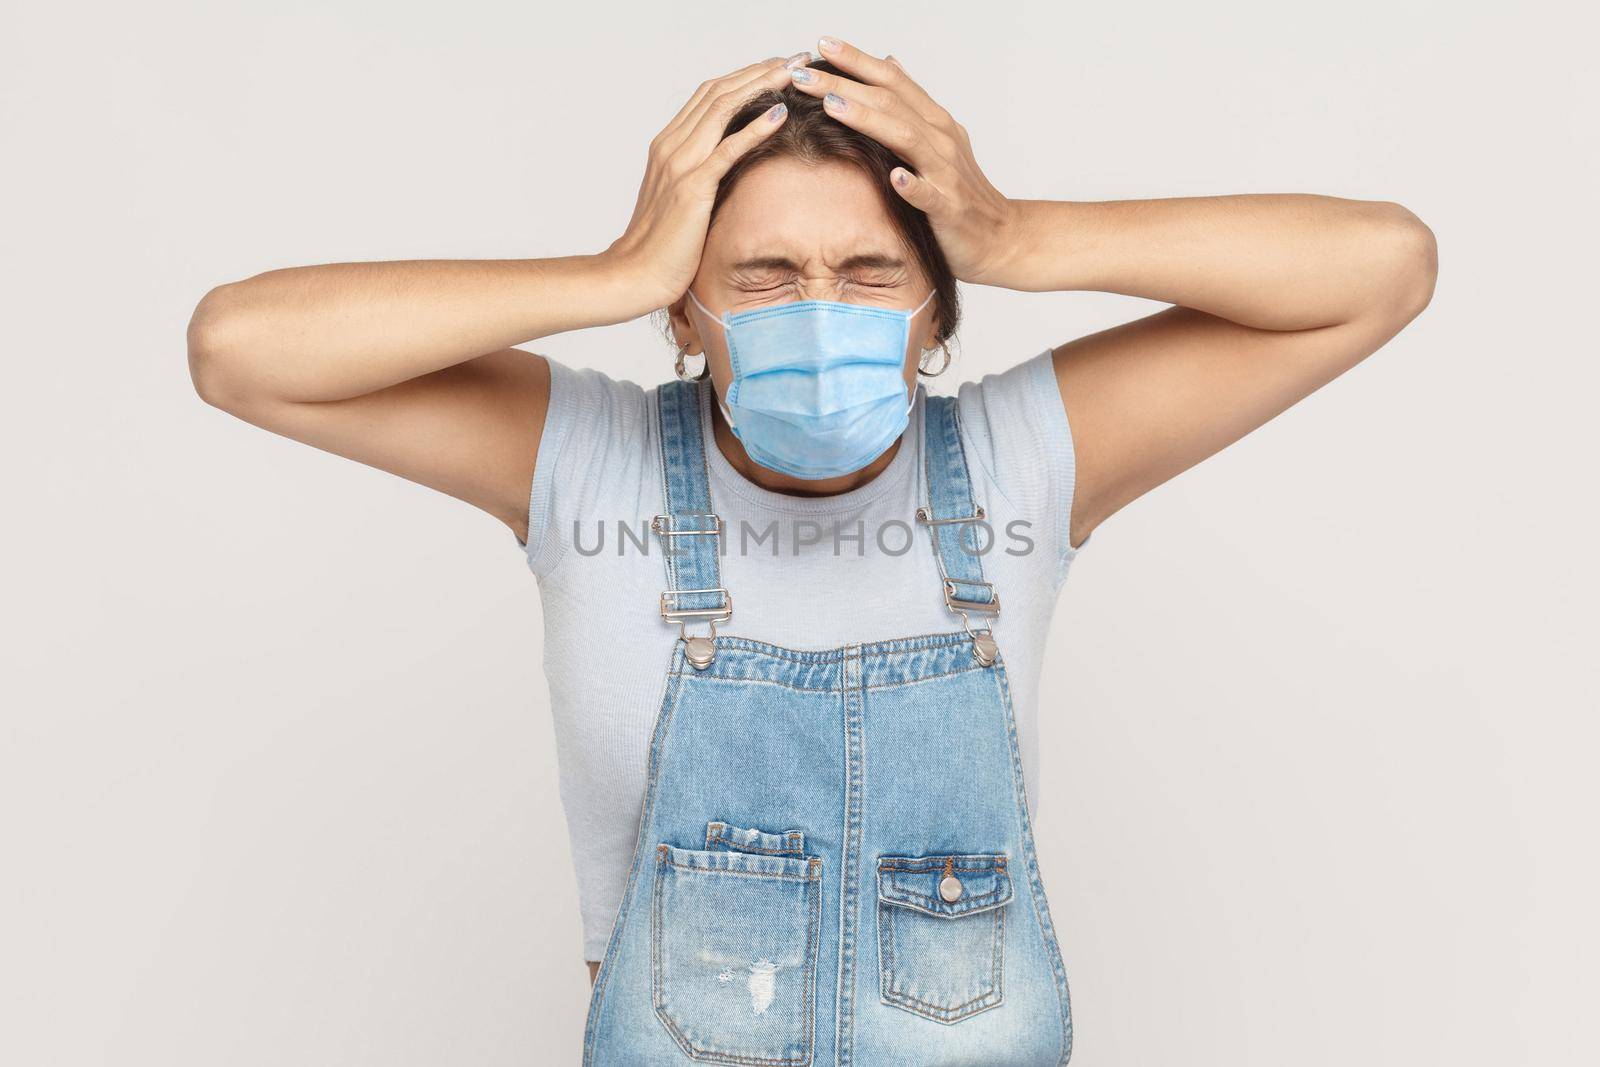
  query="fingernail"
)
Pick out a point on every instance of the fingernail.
point(827, 44)
point(802, 76)
point(799, 59)
point(835, 101)
point(901, 178)
point(775, 112)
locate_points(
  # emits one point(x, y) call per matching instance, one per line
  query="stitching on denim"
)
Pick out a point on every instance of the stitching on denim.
point(823, 656)
point(811, 874)
point(597, 1002)
point(737, 846)
point(919, 679)
point(1031, 864)
point(890, 992)
point(942, 910)
point(743, 679)
point(813, 951)
point(855, 816)
point(795, 839)
point(666, 497)
point(996, 862)
point(701, 403)
point(930, 642)
point(946, 454)
point(737, 680)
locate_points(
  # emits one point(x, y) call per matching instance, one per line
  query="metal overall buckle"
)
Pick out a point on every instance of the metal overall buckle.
point(984, 647)
point(699, 651)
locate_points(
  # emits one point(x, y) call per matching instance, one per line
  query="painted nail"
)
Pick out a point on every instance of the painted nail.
point(802, 76)
point(901, 177)
point(799, 59)
point(835, 101)
point(827, 44)
point(775, 112)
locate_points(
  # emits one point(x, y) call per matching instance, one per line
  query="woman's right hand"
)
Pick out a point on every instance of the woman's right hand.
point(662, 246)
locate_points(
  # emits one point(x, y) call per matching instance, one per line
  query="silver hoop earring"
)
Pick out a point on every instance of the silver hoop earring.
point(942, 367)
point(682, 372)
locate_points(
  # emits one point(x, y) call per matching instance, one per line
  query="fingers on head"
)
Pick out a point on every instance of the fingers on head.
point(736, 144)
point(715, 121)
point(715, 89)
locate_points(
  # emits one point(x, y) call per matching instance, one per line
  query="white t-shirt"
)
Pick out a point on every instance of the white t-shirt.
point(803, 572)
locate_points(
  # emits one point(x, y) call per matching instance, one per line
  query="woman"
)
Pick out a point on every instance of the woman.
point(805, 837)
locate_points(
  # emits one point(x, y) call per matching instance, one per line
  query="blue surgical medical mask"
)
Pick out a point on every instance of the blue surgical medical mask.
point(819, 386)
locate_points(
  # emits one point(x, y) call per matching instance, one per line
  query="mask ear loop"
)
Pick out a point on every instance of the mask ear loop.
point(709, 313)
point(726, 414)
point(909, 317)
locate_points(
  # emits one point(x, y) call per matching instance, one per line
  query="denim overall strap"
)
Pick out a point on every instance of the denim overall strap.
point(951, 511)
point(689, 531)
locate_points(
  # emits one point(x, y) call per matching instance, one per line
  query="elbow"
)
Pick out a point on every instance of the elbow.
point(209, 346)
point(1410, 259)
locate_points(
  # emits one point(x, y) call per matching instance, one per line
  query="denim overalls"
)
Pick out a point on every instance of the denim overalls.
point(834, 863)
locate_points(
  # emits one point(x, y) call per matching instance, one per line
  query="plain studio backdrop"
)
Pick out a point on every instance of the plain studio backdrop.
point(278, 783)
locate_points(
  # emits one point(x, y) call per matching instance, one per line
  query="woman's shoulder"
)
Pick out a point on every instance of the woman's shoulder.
point(595, 455)
point(1003, 411)
point(1014, 425)
point(572, 386)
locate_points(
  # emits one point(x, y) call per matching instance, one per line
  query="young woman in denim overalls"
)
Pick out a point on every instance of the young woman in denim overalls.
point(826, 899)
point(822, 855)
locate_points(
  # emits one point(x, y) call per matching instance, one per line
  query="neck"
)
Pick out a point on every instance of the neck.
point(777, 482)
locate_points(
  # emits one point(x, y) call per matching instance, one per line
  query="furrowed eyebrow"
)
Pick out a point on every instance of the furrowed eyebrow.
point(860, 261)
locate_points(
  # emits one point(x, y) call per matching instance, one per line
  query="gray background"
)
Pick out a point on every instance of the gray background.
point(278, 784)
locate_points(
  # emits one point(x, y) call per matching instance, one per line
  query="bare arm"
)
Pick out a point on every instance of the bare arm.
point(405, 366)
point(1275, 296)
point(409, 366)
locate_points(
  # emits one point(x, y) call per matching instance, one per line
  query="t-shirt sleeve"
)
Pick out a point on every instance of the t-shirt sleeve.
point(590, 465)
point(1017, 426)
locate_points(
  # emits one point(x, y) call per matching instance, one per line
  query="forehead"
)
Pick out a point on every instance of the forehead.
point(815, 213)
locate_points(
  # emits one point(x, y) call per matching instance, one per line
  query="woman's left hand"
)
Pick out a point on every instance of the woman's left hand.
point(974, 222)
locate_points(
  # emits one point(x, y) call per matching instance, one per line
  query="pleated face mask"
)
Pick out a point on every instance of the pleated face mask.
point(819, 386)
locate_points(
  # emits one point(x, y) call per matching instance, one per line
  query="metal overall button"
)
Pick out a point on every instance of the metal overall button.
point(985, 649)
point(700, 651)
point(950, 885)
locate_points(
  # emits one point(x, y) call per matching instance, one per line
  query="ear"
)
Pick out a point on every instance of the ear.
point(684, 331)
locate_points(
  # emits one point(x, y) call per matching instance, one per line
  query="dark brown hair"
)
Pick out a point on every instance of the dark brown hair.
point(811, 135)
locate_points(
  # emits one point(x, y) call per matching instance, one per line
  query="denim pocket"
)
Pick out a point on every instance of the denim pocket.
point(733, 953)
point(723, 837)
point(941, 933)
